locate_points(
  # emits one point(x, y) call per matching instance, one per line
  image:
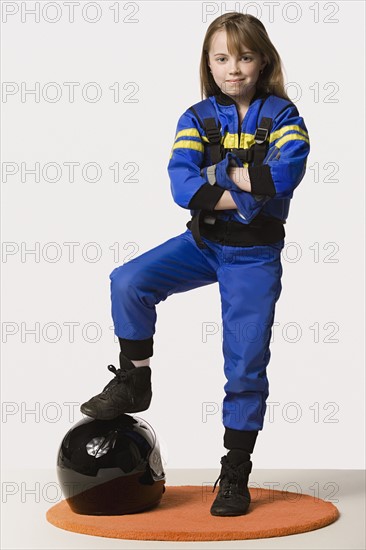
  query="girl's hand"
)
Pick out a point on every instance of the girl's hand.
point(240, 177)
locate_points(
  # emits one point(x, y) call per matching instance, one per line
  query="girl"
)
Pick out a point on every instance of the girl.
point(237, 158)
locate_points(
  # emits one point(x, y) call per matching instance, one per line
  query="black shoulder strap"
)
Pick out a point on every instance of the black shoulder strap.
point(273, 106)
point(261, 140)
point(211, 126)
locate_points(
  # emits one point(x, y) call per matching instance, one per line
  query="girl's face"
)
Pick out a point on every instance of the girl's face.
point(236, 76)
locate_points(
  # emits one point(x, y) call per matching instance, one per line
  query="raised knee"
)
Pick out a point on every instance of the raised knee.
point(130, 279)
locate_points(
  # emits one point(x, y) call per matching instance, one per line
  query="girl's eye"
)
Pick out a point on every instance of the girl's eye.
point(242, 57)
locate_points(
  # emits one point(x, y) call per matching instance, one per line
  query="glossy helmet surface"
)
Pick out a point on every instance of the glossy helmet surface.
point(111, 467)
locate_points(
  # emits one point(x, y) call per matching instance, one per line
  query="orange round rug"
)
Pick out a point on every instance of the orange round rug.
point(183, 514)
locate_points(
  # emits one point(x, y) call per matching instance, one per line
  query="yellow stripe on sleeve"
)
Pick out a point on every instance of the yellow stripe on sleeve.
point(188, 144)
point(292, 127)
point(290, 137)
point(188, 132)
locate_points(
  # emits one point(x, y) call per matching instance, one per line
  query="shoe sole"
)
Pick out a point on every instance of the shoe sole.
point(229, 515)
point(105, 415)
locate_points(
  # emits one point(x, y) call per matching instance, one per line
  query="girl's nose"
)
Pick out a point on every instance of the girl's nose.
point(234, 67)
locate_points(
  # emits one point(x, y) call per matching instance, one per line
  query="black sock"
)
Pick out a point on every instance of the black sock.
point(237, 456)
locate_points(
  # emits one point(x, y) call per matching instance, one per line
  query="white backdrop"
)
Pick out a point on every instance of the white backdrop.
point(62, 235)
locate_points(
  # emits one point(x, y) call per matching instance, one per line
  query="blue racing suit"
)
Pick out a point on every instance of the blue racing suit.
point(248, 275)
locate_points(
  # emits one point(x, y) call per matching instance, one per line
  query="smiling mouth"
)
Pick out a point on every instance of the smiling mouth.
point(239, 80)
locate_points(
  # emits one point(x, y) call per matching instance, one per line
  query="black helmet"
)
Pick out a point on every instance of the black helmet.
point(111, 467)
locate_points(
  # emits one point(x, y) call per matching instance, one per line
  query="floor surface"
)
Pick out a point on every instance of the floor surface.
point(27, 495)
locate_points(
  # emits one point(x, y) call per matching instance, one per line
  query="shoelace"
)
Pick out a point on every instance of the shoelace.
point(231, 474)
point(119, 376)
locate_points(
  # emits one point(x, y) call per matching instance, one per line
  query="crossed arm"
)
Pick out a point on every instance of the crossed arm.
point(240, 177)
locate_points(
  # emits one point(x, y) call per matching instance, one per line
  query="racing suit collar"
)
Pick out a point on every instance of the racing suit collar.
point(224, 99)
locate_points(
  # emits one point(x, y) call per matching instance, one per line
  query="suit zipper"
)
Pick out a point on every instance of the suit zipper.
point(239, 137)
point(239, 126)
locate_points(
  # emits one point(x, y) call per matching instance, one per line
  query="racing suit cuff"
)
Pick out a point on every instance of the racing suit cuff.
point(206, 197)
point(261, 180)
point(248, 205)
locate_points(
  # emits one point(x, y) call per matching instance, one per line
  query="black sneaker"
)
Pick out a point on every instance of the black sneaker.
point(233, 498)
point(129, 392)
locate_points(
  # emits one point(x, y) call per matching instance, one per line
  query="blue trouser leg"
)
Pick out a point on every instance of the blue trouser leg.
point(174, 266)
point(250, 285)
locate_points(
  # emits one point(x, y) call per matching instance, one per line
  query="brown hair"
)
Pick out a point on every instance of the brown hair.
point(243, 29)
